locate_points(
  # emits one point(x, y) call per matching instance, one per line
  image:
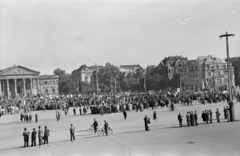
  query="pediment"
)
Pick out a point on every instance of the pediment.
point(19, 70)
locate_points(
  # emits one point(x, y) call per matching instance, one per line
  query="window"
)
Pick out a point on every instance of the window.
point(209, 74)
point(53, 90)
point(224, 66)
point(208, 66)
point(217, 66)
point(45, 82)
point(46, 91)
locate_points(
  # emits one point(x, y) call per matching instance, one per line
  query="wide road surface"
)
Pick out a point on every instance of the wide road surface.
point(129, 137)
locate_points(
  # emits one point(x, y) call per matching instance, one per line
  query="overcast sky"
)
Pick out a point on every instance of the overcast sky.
point(47, 34)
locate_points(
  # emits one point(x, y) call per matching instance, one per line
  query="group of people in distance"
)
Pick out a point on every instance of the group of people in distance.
point(42, 135)
point(192, 118)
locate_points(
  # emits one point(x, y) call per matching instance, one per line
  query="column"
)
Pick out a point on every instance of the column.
point(31, 85)
point(37, 86)
point(7, 87)
point(15, 86)
point(24, 87)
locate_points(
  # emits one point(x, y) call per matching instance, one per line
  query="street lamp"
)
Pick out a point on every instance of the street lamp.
point(231, 105)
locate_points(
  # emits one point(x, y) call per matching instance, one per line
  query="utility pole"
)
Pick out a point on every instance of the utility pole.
point(231, 105)
point(144, 78)
point(96, 77)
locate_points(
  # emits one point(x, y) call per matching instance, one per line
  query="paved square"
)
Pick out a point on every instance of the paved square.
point(129, 137)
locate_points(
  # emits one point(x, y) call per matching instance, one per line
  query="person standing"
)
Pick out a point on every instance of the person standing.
point(196, 118)
point(57, 115)
point(95, 125)
point(72, 131)
point(203, 117)
point(74, 111)
point(125, 114)
point(188, 118)
point(40, 135)
point(192, 118)
point(80, 110)
point(206, 116)
point(218, 115)
point(36, 118)
point(33, 137)
point(25, 137)
point(180, 119)
point(225, 112)
point(154, 115)
point(30, 117)
point(106, 127)
point(210, 115)
point(146, 122)
point(46, 135)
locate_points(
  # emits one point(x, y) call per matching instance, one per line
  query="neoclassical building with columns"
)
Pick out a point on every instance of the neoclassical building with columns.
point(19, 80)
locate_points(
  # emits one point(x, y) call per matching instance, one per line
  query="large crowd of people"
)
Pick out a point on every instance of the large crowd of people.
point(108, 103)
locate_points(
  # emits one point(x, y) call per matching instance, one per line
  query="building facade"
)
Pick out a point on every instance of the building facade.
point(19, 80)
point(208, 72)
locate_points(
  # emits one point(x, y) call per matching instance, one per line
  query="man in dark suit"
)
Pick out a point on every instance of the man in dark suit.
point(40, 135)
point(33, 137)
point(125, 114)
point(25, 137)
point(106, 127)
point(95, 125)
point(72, 131)
point(46, 135)
point(180, 119)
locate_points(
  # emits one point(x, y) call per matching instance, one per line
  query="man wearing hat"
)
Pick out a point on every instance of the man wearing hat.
point(25, 137)
point(33, 137)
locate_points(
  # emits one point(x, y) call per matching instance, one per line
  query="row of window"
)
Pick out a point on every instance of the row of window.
point(46, 90)
point(215, 66)
point(47, 82)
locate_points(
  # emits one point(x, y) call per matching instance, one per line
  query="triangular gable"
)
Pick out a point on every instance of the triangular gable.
point(19, 70)
point(209, 61)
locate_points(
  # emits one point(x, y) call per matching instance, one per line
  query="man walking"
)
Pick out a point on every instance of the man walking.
point(40, 135)
point(72, 131)
point(33, 137)
point(25, 137)
point(46, 135)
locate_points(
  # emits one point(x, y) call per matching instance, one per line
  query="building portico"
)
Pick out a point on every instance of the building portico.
point(18, 80)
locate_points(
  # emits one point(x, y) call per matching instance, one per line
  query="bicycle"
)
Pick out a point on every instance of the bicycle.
point(90, 131)
point(102, 131)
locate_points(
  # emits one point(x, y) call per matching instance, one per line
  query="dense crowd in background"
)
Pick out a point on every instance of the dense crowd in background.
point(109, 103)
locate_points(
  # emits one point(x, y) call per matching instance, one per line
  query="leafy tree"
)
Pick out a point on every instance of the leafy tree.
point(66, 85)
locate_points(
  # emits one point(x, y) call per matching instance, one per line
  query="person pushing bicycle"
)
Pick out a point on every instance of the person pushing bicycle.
point(95, 125)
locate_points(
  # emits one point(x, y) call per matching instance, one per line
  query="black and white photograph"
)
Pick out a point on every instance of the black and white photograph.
point(119, 77)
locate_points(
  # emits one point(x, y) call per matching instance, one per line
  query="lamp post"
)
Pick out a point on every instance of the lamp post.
point(231, 105)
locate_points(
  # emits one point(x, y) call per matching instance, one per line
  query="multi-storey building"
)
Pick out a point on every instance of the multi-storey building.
point(208, 73)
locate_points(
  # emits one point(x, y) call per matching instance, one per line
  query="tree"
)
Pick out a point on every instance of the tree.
point(66, 85)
